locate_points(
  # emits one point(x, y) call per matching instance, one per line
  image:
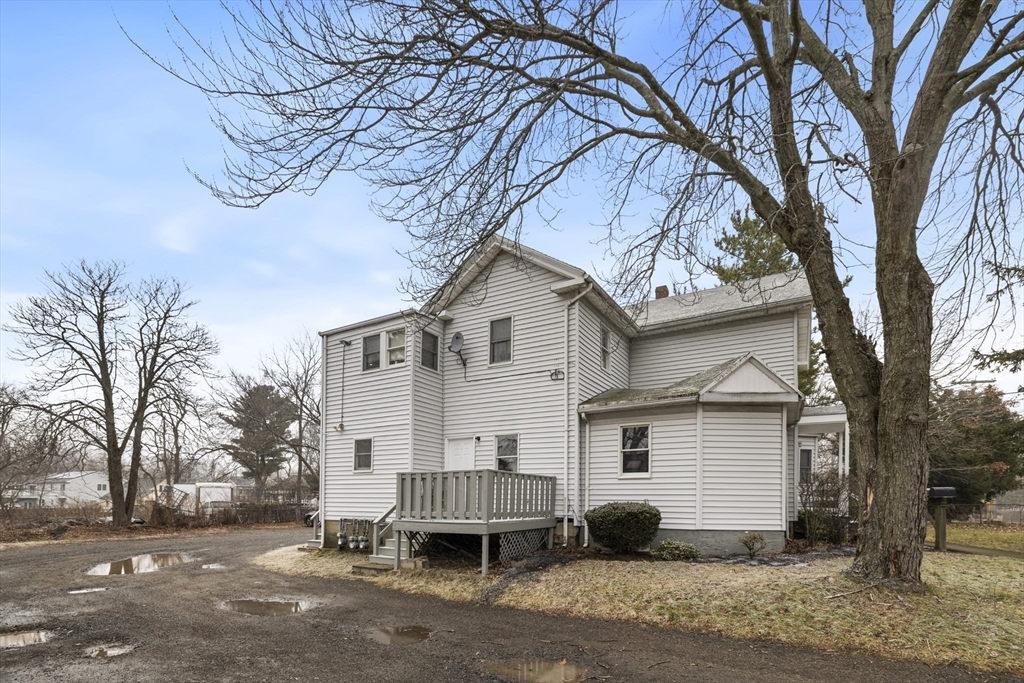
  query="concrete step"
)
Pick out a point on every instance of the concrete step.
point(372, 568)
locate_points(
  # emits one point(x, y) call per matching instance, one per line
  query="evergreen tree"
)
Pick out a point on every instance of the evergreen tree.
point(261, 418)
point(975, 443)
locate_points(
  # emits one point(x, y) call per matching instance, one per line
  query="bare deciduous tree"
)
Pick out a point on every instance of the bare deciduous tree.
point(295, 371)
point(177, 437)
point(468, 114)
point(104, 351)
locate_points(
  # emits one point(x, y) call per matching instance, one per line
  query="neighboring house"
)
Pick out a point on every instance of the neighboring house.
point(524, 394)
point(66, 488)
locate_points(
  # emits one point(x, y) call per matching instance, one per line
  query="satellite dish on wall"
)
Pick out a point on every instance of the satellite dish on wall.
point(457, 342)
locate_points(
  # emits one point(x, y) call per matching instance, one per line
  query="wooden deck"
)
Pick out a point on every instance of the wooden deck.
point(478, 502)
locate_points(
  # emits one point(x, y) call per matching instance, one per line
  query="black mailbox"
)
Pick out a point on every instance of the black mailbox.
point(936, 492)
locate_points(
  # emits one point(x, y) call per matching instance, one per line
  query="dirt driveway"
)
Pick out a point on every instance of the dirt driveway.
point(176, 619)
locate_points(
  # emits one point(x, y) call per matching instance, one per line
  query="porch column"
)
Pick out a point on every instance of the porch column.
point(485, 549)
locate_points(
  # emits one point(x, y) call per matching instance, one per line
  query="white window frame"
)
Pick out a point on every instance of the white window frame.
point(372, 445)
point(650, 450)
point(518, 450)
point(606, 349)
point(437, 351)
point(404, 347)
point(362, 352)
point(511, 340)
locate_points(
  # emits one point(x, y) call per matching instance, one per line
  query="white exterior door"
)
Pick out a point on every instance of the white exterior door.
point(460, 454)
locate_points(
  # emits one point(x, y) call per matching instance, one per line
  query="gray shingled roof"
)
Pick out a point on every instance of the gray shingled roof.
point(837, 409)
point(691, 386)
point(768, 292)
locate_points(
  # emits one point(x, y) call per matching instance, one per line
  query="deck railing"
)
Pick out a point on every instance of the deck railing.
point(474, 496)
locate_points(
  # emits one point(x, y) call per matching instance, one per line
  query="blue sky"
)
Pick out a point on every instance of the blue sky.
point(93, 145)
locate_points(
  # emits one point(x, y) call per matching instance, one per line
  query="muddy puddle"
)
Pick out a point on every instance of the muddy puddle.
point(536, 671)
point(108, 650)
point(140, 564)
point(23, 638)
point(400, 635)
point(80, 591)
point(265, 608)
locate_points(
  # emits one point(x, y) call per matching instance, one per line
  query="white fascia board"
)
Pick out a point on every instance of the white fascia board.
point(619, 407)
point(407, 313)
point(773, 398)
point(721, 317)
point(771, 374)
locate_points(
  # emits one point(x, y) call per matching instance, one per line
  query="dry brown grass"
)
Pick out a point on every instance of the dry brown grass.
point(972, 613)
point(999, 536)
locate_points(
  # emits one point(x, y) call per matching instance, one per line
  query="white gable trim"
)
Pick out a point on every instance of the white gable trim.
point(751, 380)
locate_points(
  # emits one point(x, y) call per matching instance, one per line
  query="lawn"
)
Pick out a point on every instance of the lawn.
point(999, 536)
point(972, 613)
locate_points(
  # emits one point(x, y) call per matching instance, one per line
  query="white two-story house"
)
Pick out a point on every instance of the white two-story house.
point(524, 396)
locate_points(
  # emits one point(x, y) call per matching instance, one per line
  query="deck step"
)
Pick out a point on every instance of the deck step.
point(371, 568)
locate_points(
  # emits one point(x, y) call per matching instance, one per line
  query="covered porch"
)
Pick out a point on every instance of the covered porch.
point(519, 507)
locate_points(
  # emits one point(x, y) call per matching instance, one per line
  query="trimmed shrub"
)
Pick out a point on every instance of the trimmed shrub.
point(624, 527)
point(672, 550)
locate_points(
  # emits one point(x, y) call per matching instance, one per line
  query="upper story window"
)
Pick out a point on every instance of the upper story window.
point(606, 348)
point(396, 347)
point(63, 487)
point(635, 452)
point(363, 456)
point(507, 449)
point(103, 487)
point(428, 350)
point(31, 487)
point(501, 340)
point(371, 352)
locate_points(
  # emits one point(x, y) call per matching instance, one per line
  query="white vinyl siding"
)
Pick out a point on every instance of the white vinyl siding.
point(742, 473)
point(661, 360)
point(672, 484)
point(486, 400)
point(377, 406)
point(803, 340)
point(428, 415)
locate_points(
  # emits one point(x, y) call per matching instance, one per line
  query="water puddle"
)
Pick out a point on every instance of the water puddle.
point(108, 650)
point(23, 638)
point(140, 564)
point(265, 608)
point(80, 591)
point(400, 635)
point(215, 565)
point(537, 671)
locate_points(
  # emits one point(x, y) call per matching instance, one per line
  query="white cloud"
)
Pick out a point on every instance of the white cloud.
point(180, 232)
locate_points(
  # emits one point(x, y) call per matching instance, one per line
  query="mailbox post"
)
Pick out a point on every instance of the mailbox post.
point(941, 495)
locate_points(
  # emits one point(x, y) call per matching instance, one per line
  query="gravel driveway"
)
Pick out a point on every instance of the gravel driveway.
point(176, 621)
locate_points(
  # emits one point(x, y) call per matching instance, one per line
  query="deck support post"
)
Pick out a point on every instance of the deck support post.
point(485, 550)
point(551, 537)
point(398, 549)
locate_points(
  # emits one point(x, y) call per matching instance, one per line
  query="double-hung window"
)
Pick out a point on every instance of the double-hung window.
point(363, 456)
point(428, 350)
point(396, 347)
point(371, 352)
point(501, 340)
point(507, 448)
point(635, 450)
point(805, 464)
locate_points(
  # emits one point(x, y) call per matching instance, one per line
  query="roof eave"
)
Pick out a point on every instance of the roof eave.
point(408, 312)
point(725, 316)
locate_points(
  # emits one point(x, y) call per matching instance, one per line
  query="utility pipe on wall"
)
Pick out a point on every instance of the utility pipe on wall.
point(568, 431)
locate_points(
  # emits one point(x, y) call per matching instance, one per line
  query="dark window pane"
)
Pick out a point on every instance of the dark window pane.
point(636, 461)
point(501, 352)
point(634, 437)
point(371, 352)
point(508, 446)
point(501, 330)
point(428, 351)
point(508, 464)
point(364, 454)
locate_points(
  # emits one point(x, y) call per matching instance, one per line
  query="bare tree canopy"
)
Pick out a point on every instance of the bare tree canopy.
point(468, 115)
point(106, 352)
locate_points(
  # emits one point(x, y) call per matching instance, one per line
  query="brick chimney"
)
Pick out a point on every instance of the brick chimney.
point(661, 292)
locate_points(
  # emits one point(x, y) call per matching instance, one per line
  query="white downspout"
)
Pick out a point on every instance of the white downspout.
point(323, 432)
point(411, 364)
point(586, 483)
point(568, 431)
